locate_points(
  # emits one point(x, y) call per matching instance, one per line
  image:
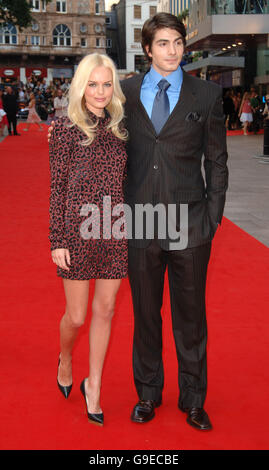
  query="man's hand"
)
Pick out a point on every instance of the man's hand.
point(50, 129)
point(61, 257)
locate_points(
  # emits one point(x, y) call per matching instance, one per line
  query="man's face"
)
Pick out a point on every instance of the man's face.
point(166, 51)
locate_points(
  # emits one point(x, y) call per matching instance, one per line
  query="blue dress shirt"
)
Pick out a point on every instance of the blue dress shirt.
point(149, 88)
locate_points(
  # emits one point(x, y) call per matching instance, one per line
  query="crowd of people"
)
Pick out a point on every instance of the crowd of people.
point(245, 111)
point(35, 101)
point(39, 101)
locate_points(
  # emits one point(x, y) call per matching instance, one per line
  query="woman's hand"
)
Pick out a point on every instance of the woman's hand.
point(50, 129)
point(61, 257)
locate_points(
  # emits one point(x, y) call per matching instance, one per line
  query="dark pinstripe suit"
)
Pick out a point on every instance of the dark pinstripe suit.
point(167, 169)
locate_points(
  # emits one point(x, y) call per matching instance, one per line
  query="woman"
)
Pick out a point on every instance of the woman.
point(88, 160)
point(3, 116)
point(32, 115)
point(245, 112)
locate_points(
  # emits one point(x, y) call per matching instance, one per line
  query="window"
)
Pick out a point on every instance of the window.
point(137, 34)
point(35, 5)
point(97, 7)
point(8, 34)
point(44, 5)
point(109, 43)
point(61, 6)
point(35, 40)
point(98, 42)
point(137, 11)
point(108, 20)
point(61, 35)
point(152, 11)
point(44, 40)
point(83, 42)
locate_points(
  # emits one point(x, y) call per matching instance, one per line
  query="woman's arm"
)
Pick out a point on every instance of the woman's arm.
point(60, 148)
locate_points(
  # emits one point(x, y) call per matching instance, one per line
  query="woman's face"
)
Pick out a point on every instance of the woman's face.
point(99, 90)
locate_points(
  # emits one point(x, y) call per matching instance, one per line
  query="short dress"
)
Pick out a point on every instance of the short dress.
point(246, 112)
point(33, 117)
point(86, 200)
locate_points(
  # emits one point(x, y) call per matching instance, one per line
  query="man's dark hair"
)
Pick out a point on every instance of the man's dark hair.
point(160, 21)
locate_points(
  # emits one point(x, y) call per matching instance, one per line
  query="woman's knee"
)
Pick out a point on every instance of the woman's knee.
point(104, 308)
point(76, 319)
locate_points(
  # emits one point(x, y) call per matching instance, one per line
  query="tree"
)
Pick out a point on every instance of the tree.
point(16, 12)
point(183, 16)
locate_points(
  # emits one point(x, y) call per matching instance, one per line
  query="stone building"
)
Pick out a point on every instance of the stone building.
point(62, 32)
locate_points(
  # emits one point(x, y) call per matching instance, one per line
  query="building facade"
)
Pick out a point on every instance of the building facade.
point(62, 32)
point(172, 6)
point(131, 16)
point(232, 39)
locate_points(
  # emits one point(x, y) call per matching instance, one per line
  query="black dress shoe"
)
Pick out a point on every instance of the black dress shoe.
point(144, 410)
point(197, 418)
point(95, 418)
point(65, 389)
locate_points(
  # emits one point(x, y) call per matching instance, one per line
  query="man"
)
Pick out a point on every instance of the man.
point(60, 104)
point(256, 107)
point(172, 119)
point(164, 166)
point(11, 107)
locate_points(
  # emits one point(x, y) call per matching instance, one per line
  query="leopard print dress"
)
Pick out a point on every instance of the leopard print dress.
point(86, 190)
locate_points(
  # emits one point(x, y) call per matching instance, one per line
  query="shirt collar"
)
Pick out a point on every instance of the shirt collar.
point(174, 78)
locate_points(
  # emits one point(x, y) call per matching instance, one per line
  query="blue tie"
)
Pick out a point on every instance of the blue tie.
point(161, 106)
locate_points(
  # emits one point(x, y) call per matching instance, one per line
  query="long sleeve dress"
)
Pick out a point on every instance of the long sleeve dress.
point(81, 177)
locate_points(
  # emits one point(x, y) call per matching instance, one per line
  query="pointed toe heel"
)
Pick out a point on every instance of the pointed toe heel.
point(65, 389)
point(95, 418)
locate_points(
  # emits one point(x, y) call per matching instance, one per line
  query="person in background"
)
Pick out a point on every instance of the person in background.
point(266, 108)
point(255, 102)
point(10, 104)
point(33, 117)
point(245, 112)
point(60, 104)
point(3, 115)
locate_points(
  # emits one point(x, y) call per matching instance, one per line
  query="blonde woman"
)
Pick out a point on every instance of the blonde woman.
point(32, 115)
point(87, 161)
point(245, 112)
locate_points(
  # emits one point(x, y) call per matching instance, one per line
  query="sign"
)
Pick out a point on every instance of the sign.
point(9, 72)
point(37, 71)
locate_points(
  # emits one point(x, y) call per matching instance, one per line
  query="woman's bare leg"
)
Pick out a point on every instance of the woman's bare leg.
point(102, 312)
point(245, 127)
point(76, 294)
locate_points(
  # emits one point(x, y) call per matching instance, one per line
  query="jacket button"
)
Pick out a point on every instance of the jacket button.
point(155, 167)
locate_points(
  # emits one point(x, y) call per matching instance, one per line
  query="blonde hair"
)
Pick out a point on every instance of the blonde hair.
point(77, 111)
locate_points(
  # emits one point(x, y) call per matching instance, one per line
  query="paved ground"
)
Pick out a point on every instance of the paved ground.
point(247, 202)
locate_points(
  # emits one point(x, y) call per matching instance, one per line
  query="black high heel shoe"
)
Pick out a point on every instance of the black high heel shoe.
point(65, 389)
point(95, 418)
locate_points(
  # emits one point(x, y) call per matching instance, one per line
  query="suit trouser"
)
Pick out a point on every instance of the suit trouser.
point(187, 271)
point(12, 119)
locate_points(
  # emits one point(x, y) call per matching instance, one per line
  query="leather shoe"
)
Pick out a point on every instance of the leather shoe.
point(197, 418)
point(144, 410)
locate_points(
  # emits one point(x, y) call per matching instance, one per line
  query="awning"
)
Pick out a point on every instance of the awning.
point(221, 62)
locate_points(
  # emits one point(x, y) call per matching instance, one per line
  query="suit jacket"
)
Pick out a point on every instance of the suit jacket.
point(167, 168)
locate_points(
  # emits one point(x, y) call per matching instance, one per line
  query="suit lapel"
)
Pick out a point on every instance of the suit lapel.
point(136, 105)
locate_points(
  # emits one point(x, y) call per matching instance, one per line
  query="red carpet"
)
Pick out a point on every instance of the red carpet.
point(241, 132)
point(34, 415)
